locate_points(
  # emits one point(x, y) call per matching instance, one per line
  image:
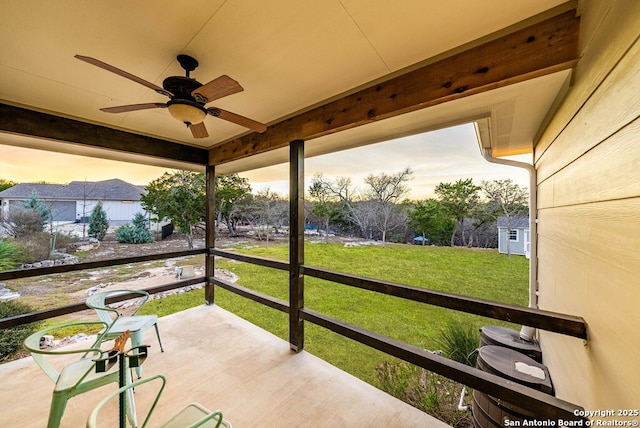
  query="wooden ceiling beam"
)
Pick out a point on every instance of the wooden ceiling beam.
point(542, 48)
point(18, 120)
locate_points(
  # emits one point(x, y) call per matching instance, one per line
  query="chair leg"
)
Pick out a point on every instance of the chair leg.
point(131, 403)
point(158, 334)
point(58, 404)
point(136, 340)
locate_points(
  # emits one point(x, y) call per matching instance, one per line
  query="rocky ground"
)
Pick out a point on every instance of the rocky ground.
point(74, 287)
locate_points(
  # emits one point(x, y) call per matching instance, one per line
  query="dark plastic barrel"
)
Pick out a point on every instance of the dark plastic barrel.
point(490, 412)
point(509, 338)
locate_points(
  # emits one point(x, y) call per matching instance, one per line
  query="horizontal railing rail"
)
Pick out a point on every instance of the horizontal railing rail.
point(260, 261)
point(28, 273)
point(551, 321)
point(541, 404)
point(44, 314)
point(250, 294)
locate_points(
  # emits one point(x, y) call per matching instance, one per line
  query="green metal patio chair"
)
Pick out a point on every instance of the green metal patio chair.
point(191, 416)
point(136, 324)
point(76, 377)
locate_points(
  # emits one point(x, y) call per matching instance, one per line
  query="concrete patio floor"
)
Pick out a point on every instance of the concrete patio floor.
point(223, 362)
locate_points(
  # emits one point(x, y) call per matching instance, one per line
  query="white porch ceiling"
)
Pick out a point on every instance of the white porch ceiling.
point(288, 55)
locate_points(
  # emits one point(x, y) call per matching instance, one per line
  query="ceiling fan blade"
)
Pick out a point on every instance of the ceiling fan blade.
point(217, 88)
point(199, 130)
point(124, 74)
point(237, 119)
point(133, 107)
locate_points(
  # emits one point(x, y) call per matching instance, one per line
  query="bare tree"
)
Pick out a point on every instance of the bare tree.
point(348, 198)
point(86, 193)
point(265, 211)
point(387, 217)
point(387, 191)
point(21, 222)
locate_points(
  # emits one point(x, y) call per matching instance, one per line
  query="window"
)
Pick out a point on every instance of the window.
point(513, 235)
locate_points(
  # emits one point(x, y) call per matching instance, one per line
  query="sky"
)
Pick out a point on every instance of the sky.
point(446, 155)
point(442, 156)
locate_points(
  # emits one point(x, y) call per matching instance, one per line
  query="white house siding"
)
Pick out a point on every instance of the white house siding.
point(118, 212)
point(588, 163)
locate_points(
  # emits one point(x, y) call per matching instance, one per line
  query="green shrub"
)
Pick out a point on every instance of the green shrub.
point(11, 338)
point(427, 391)
point(460, 342)
point(12, 254)
point(99, 224)
point(7, 255)
point(39, 207)
point(136, 234)
point(32, 248)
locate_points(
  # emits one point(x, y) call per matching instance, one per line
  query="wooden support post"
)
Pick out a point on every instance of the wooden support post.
point(210, 231)
point(296, 244)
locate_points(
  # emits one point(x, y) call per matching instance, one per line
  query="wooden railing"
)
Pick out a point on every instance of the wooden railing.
point(28, 273)
point(77, 307)
point(544, 320)
point(542, 404)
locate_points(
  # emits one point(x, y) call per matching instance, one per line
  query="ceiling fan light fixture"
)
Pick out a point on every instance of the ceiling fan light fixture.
point(186, 112)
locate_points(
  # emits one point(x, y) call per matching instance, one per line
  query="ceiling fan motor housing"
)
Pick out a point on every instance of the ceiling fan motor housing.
point(181, 88)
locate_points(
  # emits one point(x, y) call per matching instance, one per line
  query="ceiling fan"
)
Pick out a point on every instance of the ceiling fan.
point(187, 97)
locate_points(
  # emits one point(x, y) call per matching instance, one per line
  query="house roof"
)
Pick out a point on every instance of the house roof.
point(114, 189)
point(518, 222)
point(453, 60)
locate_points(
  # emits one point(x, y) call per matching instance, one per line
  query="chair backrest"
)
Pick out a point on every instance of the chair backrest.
point(32, 344)
point(97, 301)
point(159, 380)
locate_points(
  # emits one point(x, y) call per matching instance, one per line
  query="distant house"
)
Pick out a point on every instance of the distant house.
point(75, 201)
point(514, 237)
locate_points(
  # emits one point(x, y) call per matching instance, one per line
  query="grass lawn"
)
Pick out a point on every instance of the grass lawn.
point(472, 272)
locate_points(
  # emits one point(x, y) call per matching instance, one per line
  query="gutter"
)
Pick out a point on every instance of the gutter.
point(526, 333)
